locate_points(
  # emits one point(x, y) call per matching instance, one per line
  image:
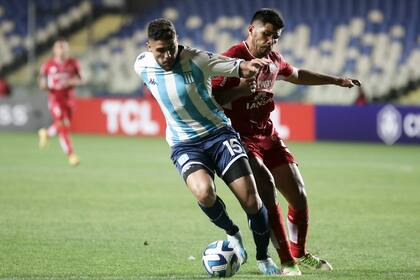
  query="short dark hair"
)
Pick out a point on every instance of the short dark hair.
point(161, 29)
point(269, 16)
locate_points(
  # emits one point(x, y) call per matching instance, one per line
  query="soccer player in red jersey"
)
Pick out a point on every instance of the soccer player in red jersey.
point(59, 75)
point(248, 104)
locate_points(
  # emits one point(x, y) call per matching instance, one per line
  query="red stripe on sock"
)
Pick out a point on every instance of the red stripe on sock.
point(64, 134)
point(300, 219)
point(278, 230)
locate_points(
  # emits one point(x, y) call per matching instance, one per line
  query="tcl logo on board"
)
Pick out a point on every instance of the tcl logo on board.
point(129, 116)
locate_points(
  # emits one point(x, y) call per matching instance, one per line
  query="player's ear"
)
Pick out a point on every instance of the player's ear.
point(148, 45)
point(250, 28)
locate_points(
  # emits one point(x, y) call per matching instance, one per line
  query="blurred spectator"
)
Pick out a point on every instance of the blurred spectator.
point(4, 88)
point(361, 98)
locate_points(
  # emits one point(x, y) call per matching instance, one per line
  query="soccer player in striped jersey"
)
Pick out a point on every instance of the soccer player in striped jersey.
point(273, 165)
point(200, 135)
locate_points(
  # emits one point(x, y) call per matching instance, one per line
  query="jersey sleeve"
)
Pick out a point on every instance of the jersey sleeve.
point(217, 65)
point(286, 69)
point(139, 66)
point(223, 81)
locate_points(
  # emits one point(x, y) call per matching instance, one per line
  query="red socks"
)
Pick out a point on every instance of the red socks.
point(65, 141)
point(278, 234)
point(297, 223)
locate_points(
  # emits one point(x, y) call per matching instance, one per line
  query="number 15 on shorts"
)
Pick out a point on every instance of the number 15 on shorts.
point(233, 146)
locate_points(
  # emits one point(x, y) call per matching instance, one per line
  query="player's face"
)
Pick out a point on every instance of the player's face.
point(263, 38)
point(61, 49)
point(164, 51)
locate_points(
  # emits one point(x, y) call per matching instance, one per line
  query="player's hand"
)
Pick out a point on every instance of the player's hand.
point(257, 63)
point(348, 82)
point(252, 84)
point(246, 87)
point(250, 68)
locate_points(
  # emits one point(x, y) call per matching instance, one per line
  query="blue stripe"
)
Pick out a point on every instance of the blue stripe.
point(202, 89)
point(145, 78)
point(164, 96)
point(186, 100)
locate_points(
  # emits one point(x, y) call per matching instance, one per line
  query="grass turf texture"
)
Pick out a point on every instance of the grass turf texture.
point(125, 213)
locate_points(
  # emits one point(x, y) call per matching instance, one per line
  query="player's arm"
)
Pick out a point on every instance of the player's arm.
point(227, 95)
point(219, 65)
point(42, 82)
point(248, 69)
point(42, 78)
point(306, 77)
point(77, 79)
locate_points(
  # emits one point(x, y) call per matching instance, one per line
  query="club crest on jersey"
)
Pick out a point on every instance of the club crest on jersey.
point(188, 77)
point(273, 67)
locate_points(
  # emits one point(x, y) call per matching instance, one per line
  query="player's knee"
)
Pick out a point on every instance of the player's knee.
point(205, 194)
point(66, 122)
point(206, 199)
point(252, 203)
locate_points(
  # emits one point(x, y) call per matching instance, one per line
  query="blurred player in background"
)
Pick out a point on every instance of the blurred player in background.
point(59, 75)
point(248, 103)
point(199, 133)
point(5, 90)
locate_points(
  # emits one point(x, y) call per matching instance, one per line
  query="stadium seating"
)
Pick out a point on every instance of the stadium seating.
point(376, 41)
point(51, 17)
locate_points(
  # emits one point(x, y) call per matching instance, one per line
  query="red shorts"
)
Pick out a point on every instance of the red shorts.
point(60, 110)
point(269, 148)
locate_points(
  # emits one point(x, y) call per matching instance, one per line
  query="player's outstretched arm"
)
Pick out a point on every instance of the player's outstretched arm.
point(248, 69)
point(42, 82)
point(74, 82)
point(306, 77)
point(227, 95)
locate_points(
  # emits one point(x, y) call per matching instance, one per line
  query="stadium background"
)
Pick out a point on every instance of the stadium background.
point(124, 213)
point(377, 42)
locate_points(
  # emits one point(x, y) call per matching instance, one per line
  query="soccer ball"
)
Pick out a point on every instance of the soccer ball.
point(220, 259)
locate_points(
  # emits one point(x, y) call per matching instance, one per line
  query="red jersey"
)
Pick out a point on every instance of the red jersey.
point(250, 115)
point(57, 75)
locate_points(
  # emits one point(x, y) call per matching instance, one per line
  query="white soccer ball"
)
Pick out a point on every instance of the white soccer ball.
point(220, 259)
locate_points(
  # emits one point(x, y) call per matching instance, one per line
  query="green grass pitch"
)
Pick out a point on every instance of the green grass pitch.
point(124, 213)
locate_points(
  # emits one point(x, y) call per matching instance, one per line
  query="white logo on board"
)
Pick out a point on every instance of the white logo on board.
point(130, 116)
point(389, 124)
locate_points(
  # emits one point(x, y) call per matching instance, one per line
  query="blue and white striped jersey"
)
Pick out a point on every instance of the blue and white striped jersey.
point(184, 93)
